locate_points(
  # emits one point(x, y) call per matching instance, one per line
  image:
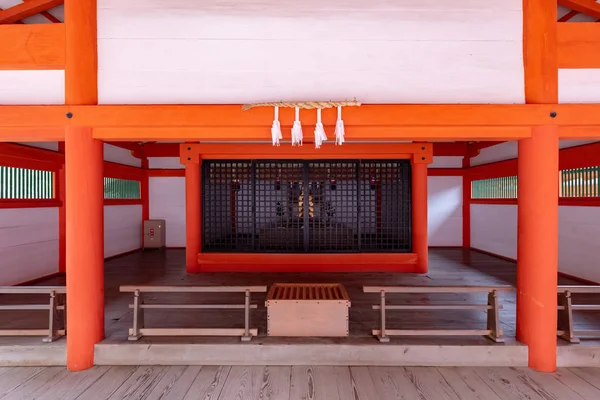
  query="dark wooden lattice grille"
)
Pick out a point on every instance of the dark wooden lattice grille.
point(306, 206)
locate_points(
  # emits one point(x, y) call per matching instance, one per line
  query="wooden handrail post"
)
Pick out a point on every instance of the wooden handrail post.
point(246, 337)
point(565, 317)
point(493, 319)
point(382, 336)
point(52, 320)
point(138, 316)
point(63, 302)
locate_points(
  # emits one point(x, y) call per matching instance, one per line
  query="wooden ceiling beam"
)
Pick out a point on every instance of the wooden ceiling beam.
point(442, 122)
point(373, 115)
point(587, 7)
point(34, 134)
point(26, 10)
point(48, 16)
point(568, 16)
point(353, 133)
point(458, 149)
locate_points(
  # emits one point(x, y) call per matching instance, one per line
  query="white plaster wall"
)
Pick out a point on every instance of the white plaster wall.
point(444, 205)
point(122, 229)
point(32, 87)
point(167, 201)
point(165, 163)
point(185, 51)
point(120, 155)
point(28, 244)
point(446, 162)
point(494, 229)
point(579, 242)
point(579, 85)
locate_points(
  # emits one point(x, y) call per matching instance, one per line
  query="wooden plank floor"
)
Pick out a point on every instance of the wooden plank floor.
point(447, 267)
point(297, 383)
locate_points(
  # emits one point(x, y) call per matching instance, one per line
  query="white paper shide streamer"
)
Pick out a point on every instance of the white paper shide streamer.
point(297, 130)
point(276, 129)
point(339, 128)
point(320, 135)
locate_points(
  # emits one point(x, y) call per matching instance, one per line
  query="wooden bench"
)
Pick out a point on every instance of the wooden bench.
point(493, 330)
point(566, 308)
point(56, 303)
point(139, 306)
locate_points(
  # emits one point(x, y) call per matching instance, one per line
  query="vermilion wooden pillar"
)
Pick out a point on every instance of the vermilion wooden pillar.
point(84, 191)
point(85, 246)
point(419, 216)
point(193, 216)
point(466, 211)
point(62, 214)
point(145, 192)
point(537, 252)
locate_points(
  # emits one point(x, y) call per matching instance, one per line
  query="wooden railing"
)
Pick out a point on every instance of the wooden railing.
point(493, 330)
point(566, 308)
point(139, 306)
point(55, 304)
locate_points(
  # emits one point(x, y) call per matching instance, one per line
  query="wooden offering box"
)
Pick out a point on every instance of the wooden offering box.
point(307, 309)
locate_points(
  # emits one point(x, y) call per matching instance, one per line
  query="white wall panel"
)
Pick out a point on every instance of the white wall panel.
point(28, 244)
point(444, 205)
point(578, 245)
point(165, 163)
point(32, 87)
point(377, 22)
point(446, 162)
point(122, 229)
point(186, 51)
point(167, 201)
point(312, 7)
point(120, 155)
point(494, 229)
point(579, 85)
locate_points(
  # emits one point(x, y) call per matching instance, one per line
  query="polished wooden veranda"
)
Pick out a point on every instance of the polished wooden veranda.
point(447, 267)
point(298, 383)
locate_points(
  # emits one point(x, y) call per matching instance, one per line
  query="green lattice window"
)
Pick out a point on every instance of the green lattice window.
point(579, 182)
point(495, 188)
point(121, 189)
point(23, 183)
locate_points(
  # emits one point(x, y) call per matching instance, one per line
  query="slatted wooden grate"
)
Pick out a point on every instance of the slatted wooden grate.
point(307, 291)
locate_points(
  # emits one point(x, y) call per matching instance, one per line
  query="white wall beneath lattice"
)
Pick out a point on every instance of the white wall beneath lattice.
point(494, 229)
